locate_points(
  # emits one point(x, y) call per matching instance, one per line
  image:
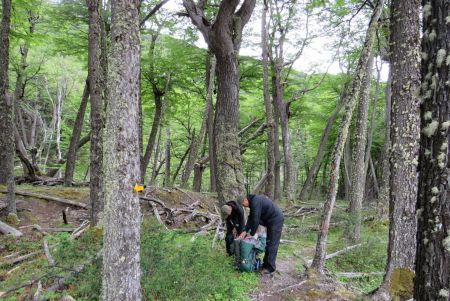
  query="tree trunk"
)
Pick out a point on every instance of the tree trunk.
point(210, 126)
point(155, 168)
point(6, 112)
point(432, 281)
point(152, 136)
point(347, 168)
point(386, 172)
point(405, 133)
point(270, 185)
point(167, 180)
point(359, 150)
point(320, 254)
point(97, 82)
point(198, 140)
point(224, 40)
point(277, 154)
point(312, 174)
point(121, 243)
point(73, 146)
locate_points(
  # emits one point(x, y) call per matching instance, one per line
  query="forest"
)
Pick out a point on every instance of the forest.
point(128, 128)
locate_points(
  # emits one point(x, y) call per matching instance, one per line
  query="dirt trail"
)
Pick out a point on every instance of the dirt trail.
point(290, 284)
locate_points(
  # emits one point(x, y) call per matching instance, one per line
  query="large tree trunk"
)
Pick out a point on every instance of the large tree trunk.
point(319, 257)
point(7, 146)
point(73, 146)
point(312, 174)
point(121, 243)
point(359, 150)
point(197, 141)
point(97, 82)
point(224, 40)
point(405, 133)
point(210, 128)
point(432, 281)
point(270, 185)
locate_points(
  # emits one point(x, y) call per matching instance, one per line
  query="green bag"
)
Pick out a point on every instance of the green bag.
point(249, 249)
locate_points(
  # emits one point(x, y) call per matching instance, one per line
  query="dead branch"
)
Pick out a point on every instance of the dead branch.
point(158, 217)
point(51, 261)
point(8, 230)
point(19, 259)
point(38, 292)
point(49, 198)
point(80, 230)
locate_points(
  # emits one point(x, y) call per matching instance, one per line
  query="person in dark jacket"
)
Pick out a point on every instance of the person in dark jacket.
point(234, 219)
point(263, 211)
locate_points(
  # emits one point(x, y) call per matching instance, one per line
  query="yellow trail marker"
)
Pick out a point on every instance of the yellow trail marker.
point(138, 187)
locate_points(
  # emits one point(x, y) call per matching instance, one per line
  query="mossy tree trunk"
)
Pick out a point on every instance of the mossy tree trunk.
point(270, 173)
point(405, 133)
point(358, 175)
point(223, 37)
point(6, 111)
point(97, 81)
point(432, 281)
point(121, 242)
point(318, 263)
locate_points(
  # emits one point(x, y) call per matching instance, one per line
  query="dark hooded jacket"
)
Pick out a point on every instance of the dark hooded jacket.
point(236, 218)
point(263, 211)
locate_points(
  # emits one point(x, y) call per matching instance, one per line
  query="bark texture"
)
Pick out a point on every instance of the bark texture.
point(76, 132)
point(97, 81)
point(432, 281)
point(6, 111)
point(319, 257)
point(405, 133)
point(121, 243)
point(270, 173)
point(359, 149)
point(224, 40)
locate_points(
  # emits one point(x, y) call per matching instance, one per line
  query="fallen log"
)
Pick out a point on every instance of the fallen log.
point(49, 198)
point(337, 253)
point(19, 259)
point(8, 230)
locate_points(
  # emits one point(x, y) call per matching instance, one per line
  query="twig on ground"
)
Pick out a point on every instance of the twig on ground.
point(51, 261)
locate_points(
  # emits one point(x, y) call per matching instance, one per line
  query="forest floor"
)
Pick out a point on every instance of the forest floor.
point(191, 212)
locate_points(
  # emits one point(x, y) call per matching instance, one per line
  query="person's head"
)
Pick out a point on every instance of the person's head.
point(226, 211)
point(243, 201)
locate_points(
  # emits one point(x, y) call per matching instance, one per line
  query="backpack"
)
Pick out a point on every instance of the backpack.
point(247, 260)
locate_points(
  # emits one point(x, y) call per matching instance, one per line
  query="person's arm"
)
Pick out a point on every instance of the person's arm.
point(253, 218)
point(229, 226)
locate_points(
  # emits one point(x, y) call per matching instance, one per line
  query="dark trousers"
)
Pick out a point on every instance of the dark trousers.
point(229, 240)
point(273, 241)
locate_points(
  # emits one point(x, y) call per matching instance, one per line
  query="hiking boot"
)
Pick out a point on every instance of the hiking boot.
point(266, 272)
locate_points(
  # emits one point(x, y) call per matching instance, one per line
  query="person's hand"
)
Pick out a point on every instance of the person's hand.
point(234, 232)
point(242, 236)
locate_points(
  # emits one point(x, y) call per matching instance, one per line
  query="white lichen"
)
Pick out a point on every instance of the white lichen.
point(428, 115)
point(424, 56)
point(445, 125)
point(440, 57)
point(443, 293)
point(432, 36)
point(434, 190)
point(447, 60)
point(427, 10)
point(431, 128)
point(433, 200)
point(446, 243)
point(425, 241)
point(444, 146)
point(419, 213)
point(427, 152)
point(447, 19)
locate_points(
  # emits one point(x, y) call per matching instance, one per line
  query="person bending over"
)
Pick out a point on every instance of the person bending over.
point(234, 219)
point(263, 211)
